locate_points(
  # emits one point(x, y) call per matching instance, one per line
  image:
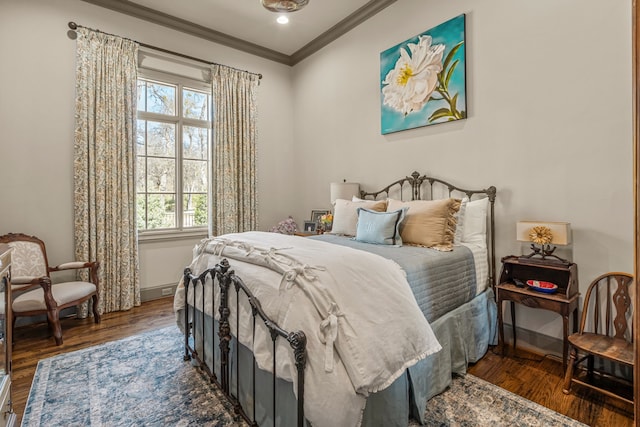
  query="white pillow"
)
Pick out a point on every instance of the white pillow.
point(474, 228)
point(345, 214)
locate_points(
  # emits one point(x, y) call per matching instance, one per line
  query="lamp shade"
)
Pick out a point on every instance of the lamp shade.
point(560, 231)
point(344, 190)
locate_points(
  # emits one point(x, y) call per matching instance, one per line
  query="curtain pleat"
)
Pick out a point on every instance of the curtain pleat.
point(104, 162)
point(234, 203)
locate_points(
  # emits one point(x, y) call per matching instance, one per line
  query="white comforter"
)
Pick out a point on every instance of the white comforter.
point(361, 320)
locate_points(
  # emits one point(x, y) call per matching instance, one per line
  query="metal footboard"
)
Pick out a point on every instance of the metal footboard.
point(222, 277)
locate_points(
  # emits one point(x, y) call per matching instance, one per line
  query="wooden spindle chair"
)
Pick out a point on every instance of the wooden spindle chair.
point(606, 333)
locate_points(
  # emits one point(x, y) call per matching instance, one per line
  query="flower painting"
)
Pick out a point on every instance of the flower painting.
point(422, 80)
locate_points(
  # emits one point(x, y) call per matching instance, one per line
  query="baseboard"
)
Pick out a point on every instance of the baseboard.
point(534, 341)
point(157, 292)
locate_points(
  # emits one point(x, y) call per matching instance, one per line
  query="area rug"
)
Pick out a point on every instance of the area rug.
point(471, 401)
point(142, 381)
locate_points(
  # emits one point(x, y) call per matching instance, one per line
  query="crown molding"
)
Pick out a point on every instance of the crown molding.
point(151, 15)
point(341, 28)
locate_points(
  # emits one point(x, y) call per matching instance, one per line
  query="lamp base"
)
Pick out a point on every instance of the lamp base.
point(544, 254)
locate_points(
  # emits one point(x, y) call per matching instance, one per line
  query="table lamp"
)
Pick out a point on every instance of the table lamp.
point(344, 190)
point(542, 236)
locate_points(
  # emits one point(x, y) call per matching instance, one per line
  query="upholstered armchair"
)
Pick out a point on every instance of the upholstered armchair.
point(34, 292)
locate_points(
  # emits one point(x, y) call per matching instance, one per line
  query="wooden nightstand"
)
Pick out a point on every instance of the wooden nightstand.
point(563, 302)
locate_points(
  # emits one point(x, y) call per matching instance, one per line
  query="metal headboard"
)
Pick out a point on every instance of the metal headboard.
point(425, 187)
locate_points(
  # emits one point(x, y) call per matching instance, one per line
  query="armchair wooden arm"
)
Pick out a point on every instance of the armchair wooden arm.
point(78, 265)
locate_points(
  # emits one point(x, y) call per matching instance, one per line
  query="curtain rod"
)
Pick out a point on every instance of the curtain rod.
point(74, 26)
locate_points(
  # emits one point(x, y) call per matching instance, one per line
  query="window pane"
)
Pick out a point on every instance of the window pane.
point(141, 173)
point(161, 99)
point(195, 142)
point(195, 210)
point(195, 105)
point(161, 211)
point(194, 176)
point(142, 95)
point(161, 139)
point(141, 135)
point(161, 175)
point(172, 155)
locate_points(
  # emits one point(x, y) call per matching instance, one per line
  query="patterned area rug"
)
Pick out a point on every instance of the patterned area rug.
point(138, 381)
point(471, 401)
point(142, 381)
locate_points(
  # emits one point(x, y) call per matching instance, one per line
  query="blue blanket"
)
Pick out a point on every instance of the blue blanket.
point(440, 281)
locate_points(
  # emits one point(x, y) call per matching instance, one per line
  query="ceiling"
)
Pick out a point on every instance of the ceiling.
point(246, 25)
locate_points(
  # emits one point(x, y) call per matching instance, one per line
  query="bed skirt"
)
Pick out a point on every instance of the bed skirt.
point(464, 333)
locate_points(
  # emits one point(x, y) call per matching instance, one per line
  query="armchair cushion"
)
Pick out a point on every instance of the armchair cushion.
point(63, 293)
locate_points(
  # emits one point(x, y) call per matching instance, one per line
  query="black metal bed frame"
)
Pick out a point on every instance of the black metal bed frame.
point(222, 275)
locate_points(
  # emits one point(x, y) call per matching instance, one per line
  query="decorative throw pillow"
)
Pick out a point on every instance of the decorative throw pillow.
point(345, 215)
point(287, 226)
point(382, 228)
point(457, 237)
point(474, 229)
point(429, 223)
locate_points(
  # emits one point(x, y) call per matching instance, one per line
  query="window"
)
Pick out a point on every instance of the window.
point(172, 152)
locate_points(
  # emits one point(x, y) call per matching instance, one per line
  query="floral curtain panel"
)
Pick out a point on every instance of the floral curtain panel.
point(234, 202)
point(104, 159)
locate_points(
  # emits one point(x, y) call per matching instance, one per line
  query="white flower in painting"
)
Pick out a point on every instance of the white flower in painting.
point(410, 84)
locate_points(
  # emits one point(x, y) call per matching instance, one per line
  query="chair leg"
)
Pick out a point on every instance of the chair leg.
point(53, 316)
point(566, 388)
point(94, 307)
point(13, 329)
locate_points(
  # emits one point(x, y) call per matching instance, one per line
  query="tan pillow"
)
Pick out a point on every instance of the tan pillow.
point(345, 214)
point(429, 223)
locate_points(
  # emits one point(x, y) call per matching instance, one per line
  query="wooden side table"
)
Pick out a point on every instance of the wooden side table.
point(564, 301)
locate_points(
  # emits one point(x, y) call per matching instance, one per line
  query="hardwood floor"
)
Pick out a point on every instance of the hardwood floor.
point(539, 379)
point(534, 377)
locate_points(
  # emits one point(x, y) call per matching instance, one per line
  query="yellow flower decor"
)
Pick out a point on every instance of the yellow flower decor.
point(541, 235)
point(327, 219)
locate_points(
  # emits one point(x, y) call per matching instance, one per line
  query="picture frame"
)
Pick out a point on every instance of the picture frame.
point(316, 214)
point(310, 227)
point(409, 100)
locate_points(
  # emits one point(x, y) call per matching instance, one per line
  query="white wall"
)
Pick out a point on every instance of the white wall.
point(37, 96)
point(549, 121)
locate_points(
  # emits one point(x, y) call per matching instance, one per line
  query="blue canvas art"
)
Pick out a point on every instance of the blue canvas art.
point(422, 80)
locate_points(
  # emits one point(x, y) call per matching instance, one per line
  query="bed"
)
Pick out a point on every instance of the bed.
point(311, 350)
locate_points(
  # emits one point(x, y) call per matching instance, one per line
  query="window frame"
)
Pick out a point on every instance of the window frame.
point(181, 83)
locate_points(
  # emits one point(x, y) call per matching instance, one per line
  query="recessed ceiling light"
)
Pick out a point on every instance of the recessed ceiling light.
point(282, 19)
